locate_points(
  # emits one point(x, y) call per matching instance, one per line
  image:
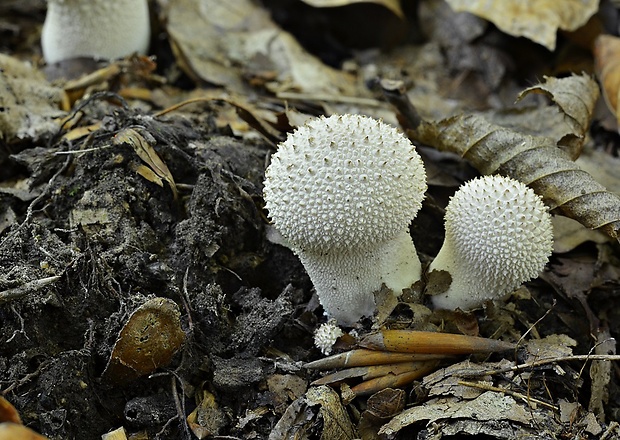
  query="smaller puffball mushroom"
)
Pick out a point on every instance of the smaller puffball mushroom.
point(326, 335)
point(100, 29)
point(342, 191)
point(498, 235)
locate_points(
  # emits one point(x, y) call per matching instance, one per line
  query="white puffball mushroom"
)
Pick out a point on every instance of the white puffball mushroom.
point(326, 335)
point(498, 235)
point(100, 29)
point(342, 191)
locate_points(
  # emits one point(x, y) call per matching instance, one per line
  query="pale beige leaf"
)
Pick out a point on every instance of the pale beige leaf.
point(534, 160)
point(392, 5)
point(537, 20)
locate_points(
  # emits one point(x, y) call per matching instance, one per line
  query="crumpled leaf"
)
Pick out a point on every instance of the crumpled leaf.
point(537, 20)
point(534, 160)
point(607, 63)
point(392, 5)
point(225, 43)
point(336, 422)
point(29, 103)
point(157, 169)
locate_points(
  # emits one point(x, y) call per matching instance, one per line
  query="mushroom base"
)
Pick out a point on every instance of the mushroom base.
point(345, 282)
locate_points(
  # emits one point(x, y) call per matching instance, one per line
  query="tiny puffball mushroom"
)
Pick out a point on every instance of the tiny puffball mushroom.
point(498, 235)
point(342, 191)
point(325, 336)
point(100, 29)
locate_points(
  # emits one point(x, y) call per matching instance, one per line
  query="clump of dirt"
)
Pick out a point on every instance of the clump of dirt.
point(109, 238)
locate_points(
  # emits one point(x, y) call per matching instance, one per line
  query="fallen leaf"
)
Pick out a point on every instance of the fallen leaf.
point(536, 161)
point(607, 64)
point(146, 152)
point(336, 422)
point(29, 103)
point(537, 20)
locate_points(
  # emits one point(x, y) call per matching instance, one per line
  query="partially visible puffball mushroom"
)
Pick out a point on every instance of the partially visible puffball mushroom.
point(342, 191)
point(100, 29)
point(498, 235)
point(326, 335)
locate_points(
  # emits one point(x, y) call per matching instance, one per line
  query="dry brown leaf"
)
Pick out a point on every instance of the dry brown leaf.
point(607, 62)
point(575, 97)
point(534, 160)
point(538, 20)
point(224, 42)
point(392, 5)
point(336, 421)
point(149, 156)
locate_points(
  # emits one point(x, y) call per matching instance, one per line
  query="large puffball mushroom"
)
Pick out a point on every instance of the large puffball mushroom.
point(342, 191)
point(498, 235)
point(100, 29)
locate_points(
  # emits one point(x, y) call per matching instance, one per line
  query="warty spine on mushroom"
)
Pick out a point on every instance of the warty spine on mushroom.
point(342, 191)
point(498, 235)
point(100, 29)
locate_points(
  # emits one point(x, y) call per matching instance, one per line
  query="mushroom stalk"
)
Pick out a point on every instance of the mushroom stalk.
point(346, 281)
point(100, 29)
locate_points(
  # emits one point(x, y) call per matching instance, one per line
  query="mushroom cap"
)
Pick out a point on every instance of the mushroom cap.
point(498, 235)
point(101, 29)
point(343, 182)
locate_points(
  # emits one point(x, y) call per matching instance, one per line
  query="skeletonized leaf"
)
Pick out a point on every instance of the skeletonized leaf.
point(537, 20)
point(534, 160)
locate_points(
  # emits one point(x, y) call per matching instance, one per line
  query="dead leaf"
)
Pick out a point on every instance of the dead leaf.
point(534, 160)
point(207, 418)
point(575, 97)
point(146, 152)
point(29, 103)
point(537, 20)
point(224, 42)
point(336, 422)
point(13, 431)
point(392, 5)
point(607, 63)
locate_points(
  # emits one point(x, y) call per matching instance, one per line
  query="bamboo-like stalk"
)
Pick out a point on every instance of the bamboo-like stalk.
point(363, 357)
point(409, 341)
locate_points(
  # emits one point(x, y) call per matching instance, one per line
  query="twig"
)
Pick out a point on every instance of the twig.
point(523, 397)
point(26, 288)
point(526, 366)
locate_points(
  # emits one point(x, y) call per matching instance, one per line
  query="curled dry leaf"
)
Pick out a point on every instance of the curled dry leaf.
point(157, 169)
point(607, 63)
point(392, 5)
point(537, 20)
point(534, 160)
point(13, 431)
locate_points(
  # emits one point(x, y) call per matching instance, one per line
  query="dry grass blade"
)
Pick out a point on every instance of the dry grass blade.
point(534, 160)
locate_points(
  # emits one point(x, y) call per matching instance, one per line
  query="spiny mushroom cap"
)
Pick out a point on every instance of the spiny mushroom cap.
point(500, 234)
point(101, 29)
point(344, 182)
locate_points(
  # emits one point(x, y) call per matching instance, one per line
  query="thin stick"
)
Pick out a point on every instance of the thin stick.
point(523, 397)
